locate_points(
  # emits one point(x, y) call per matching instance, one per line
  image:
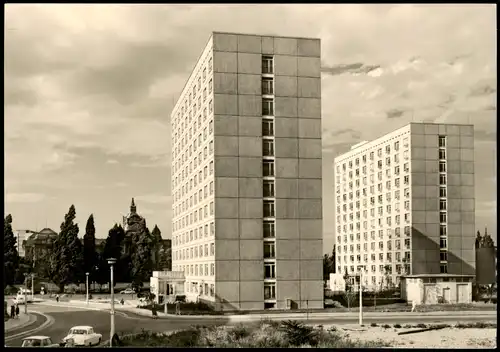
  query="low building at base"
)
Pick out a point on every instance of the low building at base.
point(437, 288)
point(166, 285)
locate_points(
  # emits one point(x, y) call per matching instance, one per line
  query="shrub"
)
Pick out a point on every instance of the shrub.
point(386, 326)
point(421, 326)
point(397, 326)
point(407, 326)
point(297, 333)
point(373, 325)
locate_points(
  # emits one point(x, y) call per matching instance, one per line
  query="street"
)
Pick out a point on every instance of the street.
point(126, 322)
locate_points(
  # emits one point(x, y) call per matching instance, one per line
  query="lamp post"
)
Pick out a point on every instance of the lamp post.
point(111, 262)
point(87, 285)
point(33, 287)
point(25, 293)
point(361, 296)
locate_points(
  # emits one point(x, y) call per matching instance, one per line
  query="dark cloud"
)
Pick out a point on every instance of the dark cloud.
point(354, 133)
point(394, 113)
point(482, 135)
point(482, 90)
point(355, 68)
point(20, 96)
point(458, 58)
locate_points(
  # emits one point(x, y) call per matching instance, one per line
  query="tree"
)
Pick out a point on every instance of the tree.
point(10, 255)
point(141, 259)
point(329, 264)
point(165, 260)
point(66, 263)
point(89, 252)
point(156, 247)
point(112, 249)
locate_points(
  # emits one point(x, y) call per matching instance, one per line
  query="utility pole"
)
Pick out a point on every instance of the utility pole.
point(361, 298)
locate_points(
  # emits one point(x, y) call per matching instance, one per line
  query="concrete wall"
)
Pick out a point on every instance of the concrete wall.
point(430, 293)
point(238, 170)
point(425, 198)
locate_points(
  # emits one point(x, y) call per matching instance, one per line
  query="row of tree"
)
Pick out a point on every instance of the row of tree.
point(71, 258)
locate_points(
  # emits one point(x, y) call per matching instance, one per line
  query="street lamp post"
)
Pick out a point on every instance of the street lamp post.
point(25, 293)
point(87, 285)
point(361, 297)
point(33, 287)
point(111, 262)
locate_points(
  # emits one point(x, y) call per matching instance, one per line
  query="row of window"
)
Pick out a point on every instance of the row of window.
point(399, 257)
point(186, 170)
point(397, 246)
point(195, 234)
point(202, 289)
point(195, 252)
point(389, 232)
point(203, 213)
point(401, 269)
point(371, 155)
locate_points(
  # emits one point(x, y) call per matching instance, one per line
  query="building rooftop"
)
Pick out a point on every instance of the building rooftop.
point(265, 35)
point(46, 235)
point(435, 275)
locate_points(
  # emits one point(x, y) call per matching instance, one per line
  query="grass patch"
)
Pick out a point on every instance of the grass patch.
point(476, 325)
point(264, 334)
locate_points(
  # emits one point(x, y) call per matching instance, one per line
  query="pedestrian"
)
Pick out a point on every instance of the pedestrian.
point(17, 310)
point(413, 305)
point(12, 312)
point(122, 301)
point(57, 298)
point(177, 308)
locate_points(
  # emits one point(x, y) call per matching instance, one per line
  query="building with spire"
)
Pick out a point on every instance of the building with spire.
point(133, 224)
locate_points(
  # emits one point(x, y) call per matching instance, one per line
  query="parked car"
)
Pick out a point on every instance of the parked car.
point(38, 341)
point(128, 291)
point(83, 336)
point(19, 300)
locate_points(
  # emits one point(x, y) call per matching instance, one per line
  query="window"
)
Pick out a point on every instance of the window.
point(269, 250)
point(442, 179)
point(269, 291)
point(442, 154)
point(269, 208)
point(442, 217)
point(267, 107)
point(442, 230)
point(267, 64)
point(442, 204)
point(442, 192)
point(268, 127)
point(269, 229)
point(268, 147)
point(396, 145)
point(269, 271)
point(442, 166)
point(268, 168)
point(443, 268)
point(267, 86)
point(268, 189)
point(443, 243)
point(442, 141)
point(210, 86)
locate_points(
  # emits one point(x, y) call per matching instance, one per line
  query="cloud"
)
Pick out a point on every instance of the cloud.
point(24, 197)
point(355, 68)
point(112, 161)
point(482, 135)
point(154, 199)
point(394, 113)
point(482, 90)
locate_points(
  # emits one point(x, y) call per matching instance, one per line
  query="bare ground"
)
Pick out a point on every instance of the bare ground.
point(444, 338)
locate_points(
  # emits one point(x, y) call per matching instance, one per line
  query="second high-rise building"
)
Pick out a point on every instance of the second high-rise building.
point(246, 174)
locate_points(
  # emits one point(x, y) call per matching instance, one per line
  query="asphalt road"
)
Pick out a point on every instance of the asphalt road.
point(126, 323)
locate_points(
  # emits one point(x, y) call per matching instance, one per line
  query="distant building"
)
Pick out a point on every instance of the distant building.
point(405, 204)
point(21, 237)
point(437, 288)
point(39, 245)
point(337, 283)
point(133, 224)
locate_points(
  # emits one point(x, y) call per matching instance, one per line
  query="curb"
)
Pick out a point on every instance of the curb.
point(50, 321)
point(31, 320)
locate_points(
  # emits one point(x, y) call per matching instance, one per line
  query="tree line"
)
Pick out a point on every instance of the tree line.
point(70, 258)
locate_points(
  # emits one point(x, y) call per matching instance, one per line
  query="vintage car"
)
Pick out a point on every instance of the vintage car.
point(83, 336)
point(128, 291)
point(38, 341)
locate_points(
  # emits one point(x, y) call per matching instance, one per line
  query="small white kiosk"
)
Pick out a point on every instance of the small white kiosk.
point(165, 285)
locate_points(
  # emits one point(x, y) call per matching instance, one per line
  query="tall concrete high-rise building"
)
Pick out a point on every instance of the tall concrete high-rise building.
point(405, 204)
point(246, 174)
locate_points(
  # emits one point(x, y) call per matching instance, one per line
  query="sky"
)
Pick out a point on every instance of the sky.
point(89, 90)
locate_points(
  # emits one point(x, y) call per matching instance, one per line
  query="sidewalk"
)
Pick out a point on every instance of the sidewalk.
point(249, 317)
point(22, 321)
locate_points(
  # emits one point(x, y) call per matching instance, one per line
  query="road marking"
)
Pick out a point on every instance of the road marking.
point(50, 321)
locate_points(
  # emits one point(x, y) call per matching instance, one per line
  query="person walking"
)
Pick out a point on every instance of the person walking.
point(177, 308)
point(17, 310)
point(12, 311)
point(57, 298)
point(414, 306)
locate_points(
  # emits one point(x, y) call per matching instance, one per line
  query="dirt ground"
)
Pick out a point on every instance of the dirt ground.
point(444, 338)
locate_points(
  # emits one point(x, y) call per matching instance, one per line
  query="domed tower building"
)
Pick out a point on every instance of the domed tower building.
point(133, 224)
